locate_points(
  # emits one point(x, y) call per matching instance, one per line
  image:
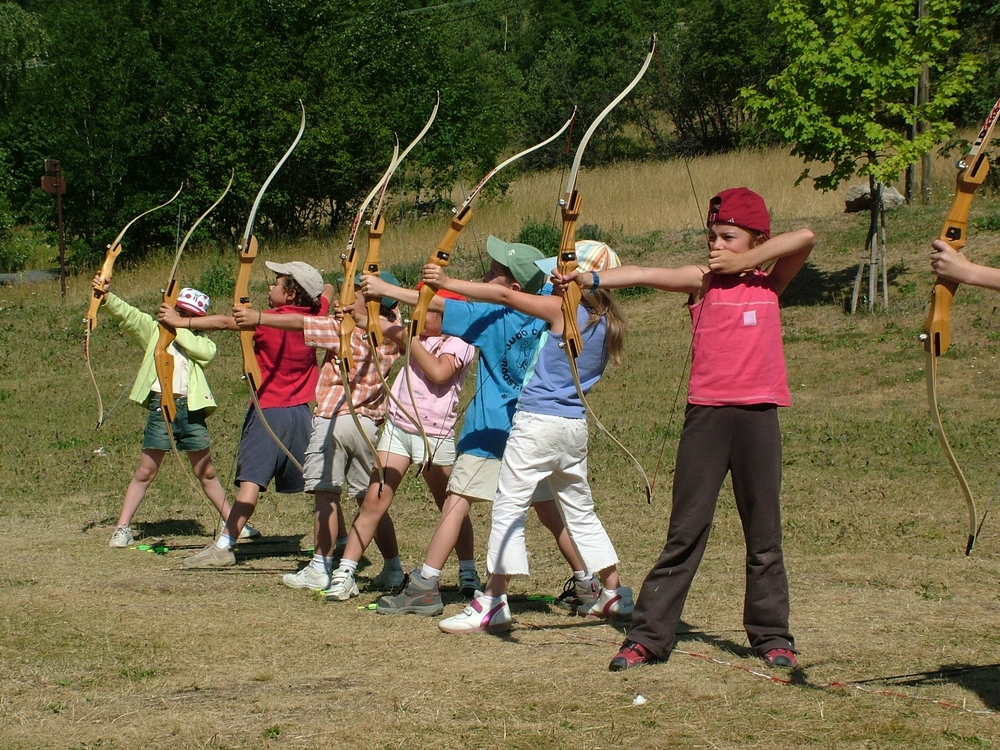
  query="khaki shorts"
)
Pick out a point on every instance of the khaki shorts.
point(338, 455)
point(475, 478)
point(396, 440)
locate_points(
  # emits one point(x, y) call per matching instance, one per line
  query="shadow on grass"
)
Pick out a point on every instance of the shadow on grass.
point(983, 680)
point(270, 546)
point(814, 287)
point(175, 527)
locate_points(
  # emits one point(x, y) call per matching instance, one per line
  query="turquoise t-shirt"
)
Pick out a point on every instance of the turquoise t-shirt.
point(507, 340)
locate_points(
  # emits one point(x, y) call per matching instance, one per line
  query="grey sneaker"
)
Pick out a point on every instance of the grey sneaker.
point(576, 593)
point(419, 596)
point(307, 578)
point(609, 606)
point(122, 537)
point(210, 557)
point(388, 580)
point(342, 586)
point(249, 532)
point(469, 583)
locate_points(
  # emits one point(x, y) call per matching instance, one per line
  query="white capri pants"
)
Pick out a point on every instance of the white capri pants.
point(545, 447)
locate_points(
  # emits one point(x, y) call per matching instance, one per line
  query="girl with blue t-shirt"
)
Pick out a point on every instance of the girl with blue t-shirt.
point(548, 441)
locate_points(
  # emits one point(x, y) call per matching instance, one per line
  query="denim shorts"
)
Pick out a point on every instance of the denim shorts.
point(190, 432)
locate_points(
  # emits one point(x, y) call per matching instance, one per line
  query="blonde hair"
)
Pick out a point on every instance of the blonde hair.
point(602, 304)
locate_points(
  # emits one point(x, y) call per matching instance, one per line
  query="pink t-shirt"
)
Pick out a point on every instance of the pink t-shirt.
point(437, 403)
point(737, 356)
point(288, 371)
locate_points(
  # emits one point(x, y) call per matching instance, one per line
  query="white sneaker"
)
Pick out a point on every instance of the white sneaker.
point(249, 532)
point(122, 537)
point(388, 580)
point(482, 615)
point(609, 606)
point(307, 578)
point(342, 586)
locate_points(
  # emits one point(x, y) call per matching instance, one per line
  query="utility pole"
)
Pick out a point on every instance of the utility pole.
point(923, 94)
point(53, 182)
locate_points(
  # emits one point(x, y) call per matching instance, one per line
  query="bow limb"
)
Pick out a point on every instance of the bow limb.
point(241, 295)
point(931, 377)
point(936, 338)
point(441, 255)
point(571, 205)
point(97, 297)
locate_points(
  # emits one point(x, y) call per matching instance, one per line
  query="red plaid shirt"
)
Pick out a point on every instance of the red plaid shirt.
point(367, 392)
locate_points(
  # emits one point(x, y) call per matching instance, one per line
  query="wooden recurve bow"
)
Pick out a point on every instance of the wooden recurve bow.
point(97, 297)
point(936, 338)
point(162, 357)
point(571, 204)
point(241, 295)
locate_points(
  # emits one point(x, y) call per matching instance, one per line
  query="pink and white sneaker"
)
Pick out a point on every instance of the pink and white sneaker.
point(609, 606)
point(483, 614)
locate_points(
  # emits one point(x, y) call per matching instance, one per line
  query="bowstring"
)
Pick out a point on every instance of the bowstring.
point(690, 349)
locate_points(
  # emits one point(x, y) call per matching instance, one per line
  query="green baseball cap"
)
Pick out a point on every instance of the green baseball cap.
point(387, 302)
point(519, 259)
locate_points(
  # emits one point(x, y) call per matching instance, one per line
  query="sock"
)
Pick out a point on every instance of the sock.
point(465, 565)
point(341, 543)
point(225, 542)
point(428, 573)
point(581, 576)
point(321, 564)
point(391, 563)
point(349, 565)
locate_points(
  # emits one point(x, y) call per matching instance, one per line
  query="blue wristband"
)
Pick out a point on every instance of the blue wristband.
point(597, 282)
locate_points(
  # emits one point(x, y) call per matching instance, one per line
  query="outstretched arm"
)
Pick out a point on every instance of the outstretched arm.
point(686, 279)
point(168, 315)
point(373, 286)
point(952, 265)
point(548, 308)
point(247, 317)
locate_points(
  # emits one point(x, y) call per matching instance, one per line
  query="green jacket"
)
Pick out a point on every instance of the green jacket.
point(144, 330)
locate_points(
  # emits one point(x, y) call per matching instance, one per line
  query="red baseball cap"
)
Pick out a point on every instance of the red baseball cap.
point(742, 207)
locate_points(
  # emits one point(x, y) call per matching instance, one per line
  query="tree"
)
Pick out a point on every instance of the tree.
point(845, 98)
point(705, 77)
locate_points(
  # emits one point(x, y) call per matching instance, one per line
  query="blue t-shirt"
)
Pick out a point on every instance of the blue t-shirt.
point(549, 388)
point(507, 340)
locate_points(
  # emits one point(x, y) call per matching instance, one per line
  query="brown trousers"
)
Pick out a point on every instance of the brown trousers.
point(744, 441)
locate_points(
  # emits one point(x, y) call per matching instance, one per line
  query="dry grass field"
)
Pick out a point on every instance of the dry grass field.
point(899, 632)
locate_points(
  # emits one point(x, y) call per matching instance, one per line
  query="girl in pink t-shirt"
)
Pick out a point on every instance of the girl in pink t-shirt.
point(427, 389)
point(737, 383)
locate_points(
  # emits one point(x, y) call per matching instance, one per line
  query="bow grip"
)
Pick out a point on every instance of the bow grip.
point(937, 327)
point(164, 360)
point(372, 268)
point(440, 257)
point(567, 263)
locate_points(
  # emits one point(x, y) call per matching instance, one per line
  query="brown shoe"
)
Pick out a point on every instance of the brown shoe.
point(211, 557)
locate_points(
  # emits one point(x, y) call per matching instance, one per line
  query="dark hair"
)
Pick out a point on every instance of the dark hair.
point(302, 298)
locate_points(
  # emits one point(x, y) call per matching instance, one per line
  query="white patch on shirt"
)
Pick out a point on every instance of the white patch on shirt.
point(750, 318)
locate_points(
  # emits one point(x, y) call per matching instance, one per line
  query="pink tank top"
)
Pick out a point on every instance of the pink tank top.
point(737, 356)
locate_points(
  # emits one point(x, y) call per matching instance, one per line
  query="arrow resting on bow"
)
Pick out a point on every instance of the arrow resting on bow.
point(571, 204)
point(936, 338)
point(97, 296)
point(241, 295)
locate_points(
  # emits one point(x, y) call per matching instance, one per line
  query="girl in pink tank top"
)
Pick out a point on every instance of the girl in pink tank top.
point(737, 382)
